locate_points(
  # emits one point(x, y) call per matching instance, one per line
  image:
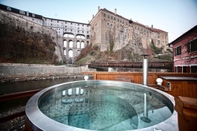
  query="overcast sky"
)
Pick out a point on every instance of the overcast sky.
point(173, 16)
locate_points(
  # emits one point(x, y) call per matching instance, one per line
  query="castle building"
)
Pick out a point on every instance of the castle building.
point(71, 36)
point(110, 28)
point(106, 28)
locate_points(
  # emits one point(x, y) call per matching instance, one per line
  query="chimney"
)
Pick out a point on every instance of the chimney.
point(92, 15)
point(98, 8)
point(115, 10)
point(151, 26)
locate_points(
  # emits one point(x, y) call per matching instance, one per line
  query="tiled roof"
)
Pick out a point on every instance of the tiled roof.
point(183, 35)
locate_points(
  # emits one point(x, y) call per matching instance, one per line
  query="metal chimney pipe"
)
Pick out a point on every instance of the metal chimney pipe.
point(145, 70)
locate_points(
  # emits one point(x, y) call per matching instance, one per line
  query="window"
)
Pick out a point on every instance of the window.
point(192, 45)
point(104, 14)
point(22, 12)
point(8, 8)
point(178, 69)
point(178, 50)
point(184, 69)
point(193, 69)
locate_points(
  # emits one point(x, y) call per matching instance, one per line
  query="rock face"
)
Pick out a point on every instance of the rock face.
point(25, 42)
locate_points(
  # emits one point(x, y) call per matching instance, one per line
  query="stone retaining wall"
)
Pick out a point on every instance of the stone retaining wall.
point(23, 72)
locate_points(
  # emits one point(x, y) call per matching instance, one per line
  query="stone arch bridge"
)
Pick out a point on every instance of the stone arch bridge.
point(73, 43)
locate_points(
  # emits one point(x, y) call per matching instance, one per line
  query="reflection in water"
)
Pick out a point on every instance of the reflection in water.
point(102, 108)
point(7, 88)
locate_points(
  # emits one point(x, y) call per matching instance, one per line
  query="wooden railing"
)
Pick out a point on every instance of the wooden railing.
point(162, 65)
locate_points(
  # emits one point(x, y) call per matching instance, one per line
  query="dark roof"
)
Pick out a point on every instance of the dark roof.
point(184, 35)
point(11, 9)
point(14, 10)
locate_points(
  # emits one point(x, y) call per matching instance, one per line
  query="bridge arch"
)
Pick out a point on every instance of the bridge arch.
point(82, 44)
point(78, 52)
point(65, 53)
point(70, 44)
point(78, 44)
point(70, 53)
point(68, 34)
point(65, 43)
point(80, 36)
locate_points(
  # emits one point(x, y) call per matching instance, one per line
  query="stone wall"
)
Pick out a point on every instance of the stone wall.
point(25, 24)
point(107, 27)
point(23, 72)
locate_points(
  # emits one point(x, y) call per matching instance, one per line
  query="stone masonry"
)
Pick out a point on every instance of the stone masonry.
point(109, 27)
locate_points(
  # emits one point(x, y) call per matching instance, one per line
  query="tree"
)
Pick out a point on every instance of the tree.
point(155, 49)
point(111, 42)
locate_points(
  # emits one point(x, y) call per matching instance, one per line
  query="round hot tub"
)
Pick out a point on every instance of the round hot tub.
point(101, 105)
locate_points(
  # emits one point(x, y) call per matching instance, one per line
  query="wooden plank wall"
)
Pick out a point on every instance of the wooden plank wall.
point(182, 88)
point(178, 88)
point(136, 77)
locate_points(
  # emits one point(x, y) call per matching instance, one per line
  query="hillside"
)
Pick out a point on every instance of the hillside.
point(20, 46)
point(129, 52)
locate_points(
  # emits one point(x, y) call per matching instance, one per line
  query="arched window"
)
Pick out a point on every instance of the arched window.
point(78, 51)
